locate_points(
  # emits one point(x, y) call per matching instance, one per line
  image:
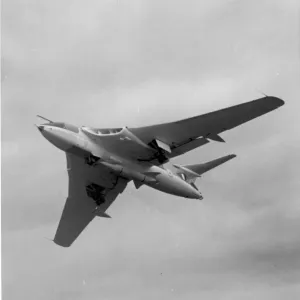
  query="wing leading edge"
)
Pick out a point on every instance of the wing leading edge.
point(188, 134)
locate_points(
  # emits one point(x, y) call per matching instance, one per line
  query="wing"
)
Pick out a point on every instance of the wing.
point(187, 134)
point(80, 209)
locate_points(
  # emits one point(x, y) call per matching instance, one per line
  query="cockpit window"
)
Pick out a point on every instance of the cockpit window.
point(105, 131)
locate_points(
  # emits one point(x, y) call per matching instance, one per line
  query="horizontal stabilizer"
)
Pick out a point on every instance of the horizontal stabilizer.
point(202, 168)
point(188, 172)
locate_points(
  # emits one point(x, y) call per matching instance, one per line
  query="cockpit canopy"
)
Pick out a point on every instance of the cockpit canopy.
point(63, 125)
point(104, 131)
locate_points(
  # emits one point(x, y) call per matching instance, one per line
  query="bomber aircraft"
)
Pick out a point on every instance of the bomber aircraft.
point(102, 161)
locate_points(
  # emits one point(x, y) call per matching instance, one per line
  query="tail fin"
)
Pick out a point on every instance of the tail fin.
point(191, 172)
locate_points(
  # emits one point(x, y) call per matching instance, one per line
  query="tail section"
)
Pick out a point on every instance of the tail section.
point(202, 168)
point(191, 172)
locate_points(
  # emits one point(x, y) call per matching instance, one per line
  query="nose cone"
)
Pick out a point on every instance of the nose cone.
point(59, 137)
point(45, 130)
point(40, 127)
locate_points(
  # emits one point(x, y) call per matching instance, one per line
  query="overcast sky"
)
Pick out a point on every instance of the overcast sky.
point(112, 63)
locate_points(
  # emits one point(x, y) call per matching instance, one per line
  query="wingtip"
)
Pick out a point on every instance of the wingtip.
point(229, 157)
point(64, 245)
point(275, 101)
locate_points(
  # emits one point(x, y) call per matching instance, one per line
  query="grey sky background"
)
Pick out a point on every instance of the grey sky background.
point(112, 63)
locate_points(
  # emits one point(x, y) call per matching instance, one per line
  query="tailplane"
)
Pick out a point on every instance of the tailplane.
point(191, 172)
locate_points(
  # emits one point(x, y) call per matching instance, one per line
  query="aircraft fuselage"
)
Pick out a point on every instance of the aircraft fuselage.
point(75, 140)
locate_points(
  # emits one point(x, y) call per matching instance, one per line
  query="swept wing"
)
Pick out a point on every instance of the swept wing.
point(80, 209)
point(187, 134)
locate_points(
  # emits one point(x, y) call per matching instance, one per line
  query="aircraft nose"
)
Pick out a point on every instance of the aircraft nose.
point(40, 127)
point(59, 137)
